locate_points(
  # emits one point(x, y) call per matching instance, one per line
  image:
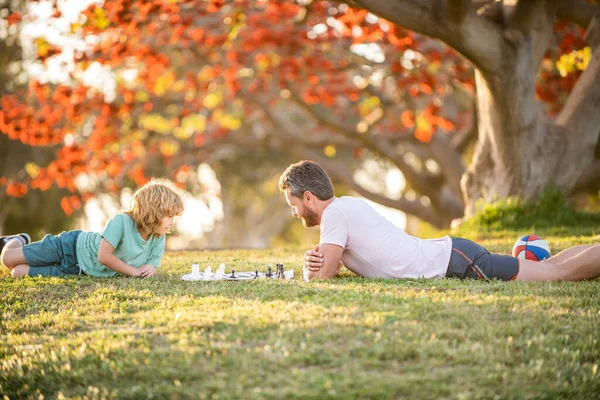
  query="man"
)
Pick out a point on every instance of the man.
point(355, 235)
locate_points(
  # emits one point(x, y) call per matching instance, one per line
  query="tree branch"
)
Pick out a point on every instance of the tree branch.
point(578, 11)
point(592, 35)
point(413, 207)
point(341, 173)
point(458, 9)
point(423, 183)
point(524, 14)
point(475, 37)
point(297, 135)
point(450, 163)
point(343, 129)
point(543, 29)
point(417, 16)
point(467, 134)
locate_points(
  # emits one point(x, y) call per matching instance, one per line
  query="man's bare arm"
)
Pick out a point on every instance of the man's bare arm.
point(331, 256)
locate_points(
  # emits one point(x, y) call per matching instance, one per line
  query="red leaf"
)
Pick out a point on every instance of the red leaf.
point(14, 18)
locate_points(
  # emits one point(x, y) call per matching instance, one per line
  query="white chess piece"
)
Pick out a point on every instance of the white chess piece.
point(289, 274)
point(194, 276)
point(208, 275)
point(220, 271)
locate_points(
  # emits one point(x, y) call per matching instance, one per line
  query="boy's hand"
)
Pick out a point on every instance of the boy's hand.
point(147, 271)
point(313, 259)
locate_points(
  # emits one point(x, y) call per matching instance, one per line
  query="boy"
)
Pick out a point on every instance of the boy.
point(132, 243)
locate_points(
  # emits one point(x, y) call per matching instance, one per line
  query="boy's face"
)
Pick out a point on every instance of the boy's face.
point(165, 225)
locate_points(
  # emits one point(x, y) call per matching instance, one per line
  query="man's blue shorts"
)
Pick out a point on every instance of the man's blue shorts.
point(53, 255)
point(470, 260)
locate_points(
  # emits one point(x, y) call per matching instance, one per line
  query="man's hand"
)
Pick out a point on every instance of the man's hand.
point(147, 271)
point(323, 262)
point(313, 259)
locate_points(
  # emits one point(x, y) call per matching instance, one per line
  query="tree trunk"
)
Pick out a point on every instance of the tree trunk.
point(519, 152)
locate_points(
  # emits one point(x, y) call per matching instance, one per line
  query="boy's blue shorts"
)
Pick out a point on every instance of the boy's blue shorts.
point(53, 255)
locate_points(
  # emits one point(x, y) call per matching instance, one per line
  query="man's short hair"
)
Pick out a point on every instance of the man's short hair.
point(306, 176)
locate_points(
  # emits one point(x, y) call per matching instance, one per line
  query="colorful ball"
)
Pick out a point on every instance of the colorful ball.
point(531, 247)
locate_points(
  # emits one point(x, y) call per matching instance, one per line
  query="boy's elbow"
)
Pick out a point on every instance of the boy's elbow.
point(101, 258)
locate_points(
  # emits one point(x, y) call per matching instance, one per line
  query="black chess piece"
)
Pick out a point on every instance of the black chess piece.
point(232, 276)
point(269, 272)
point(256, 276)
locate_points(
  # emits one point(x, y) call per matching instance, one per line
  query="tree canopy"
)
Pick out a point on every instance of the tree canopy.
point(156, 87)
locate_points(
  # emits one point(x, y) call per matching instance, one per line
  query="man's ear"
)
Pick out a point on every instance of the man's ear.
point(308, 196)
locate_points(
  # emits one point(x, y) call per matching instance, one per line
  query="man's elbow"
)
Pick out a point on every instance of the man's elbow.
point(322, 275)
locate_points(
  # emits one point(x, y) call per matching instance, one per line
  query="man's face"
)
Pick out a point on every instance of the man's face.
point(302, 209)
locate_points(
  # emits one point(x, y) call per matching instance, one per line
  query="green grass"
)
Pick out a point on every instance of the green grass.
point(83, 337)
point(551, 214)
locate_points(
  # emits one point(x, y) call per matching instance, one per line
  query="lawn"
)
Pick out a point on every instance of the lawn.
point(84, 337)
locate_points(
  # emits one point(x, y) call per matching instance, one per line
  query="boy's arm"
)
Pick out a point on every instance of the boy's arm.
point(147, 270)
point(331, 256)
point(107, 258)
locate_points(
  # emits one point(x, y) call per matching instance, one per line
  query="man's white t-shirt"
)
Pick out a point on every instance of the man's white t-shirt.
point(376, 248)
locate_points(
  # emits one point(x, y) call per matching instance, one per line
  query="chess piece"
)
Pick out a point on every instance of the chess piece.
point(256, 272)
point(232, 276)
point(269, 272)
point(220, 273)
point(208, 275)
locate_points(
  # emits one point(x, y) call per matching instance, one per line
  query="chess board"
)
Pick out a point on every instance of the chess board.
point(238, 276)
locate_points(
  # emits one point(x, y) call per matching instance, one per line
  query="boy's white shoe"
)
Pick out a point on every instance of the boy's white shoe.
point(23, 237)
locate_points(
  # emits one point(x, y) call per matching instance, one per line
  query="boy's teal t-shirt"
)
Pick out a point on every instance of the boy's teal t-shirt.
point(121, 232)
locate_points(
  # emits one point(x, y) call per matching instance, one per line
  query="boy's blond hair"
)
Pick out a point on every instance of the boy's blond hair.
point(153, 201)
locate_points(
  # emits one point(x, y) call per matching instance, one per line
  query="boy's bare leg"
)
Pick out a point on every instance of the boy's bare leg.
point(584, 264)
point(12, 254)
point(20, 271)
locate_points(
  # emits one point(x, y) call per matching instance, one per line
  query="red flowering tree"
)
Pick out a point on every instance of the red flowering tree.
point(196, 81)
point(15, 211)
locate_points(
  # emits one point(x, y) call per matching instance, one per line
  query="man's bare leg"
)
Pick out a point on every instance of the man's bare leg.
point(583, 264)
point(567, 253)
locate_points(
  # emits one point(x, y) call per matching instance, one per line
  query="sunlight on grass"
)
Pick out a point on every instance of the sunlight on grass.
point(346, 338)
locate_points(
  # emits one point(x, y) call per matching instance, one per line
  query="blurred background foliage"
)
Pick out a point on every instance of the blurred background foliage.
point(222, 96)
